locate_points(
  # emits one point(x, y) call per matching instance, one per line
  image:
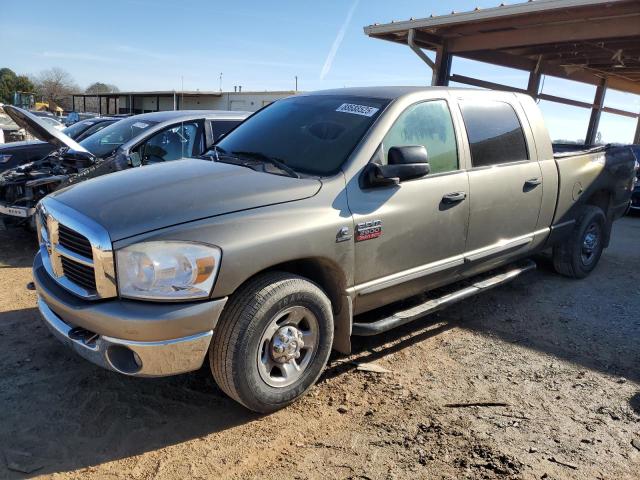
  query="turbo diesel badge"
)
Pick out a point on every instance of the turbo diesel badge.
point(368, 230)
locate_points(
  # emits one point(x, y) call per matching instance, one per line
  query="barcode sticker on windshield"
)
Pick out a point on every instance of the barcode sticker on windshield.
point(357, 109)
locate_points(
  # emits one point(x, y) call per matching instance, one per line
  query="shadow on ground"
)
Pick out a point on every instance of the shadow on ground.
point(17, 247)
point(69, 414)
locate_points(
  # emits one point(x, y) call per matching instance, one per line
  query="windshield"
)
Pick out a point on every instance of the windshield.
point(106, 141)
point(311, 134)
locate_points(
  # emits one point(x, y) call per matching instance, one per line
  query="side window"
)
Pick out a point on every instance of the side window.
point(221, 127)
point(495, 134)
point(173, 143)
point(429, 124)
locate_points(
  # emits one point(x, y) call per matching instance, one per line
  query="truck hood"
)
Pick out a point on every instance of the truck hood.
point(40, 129)
point(148, 198)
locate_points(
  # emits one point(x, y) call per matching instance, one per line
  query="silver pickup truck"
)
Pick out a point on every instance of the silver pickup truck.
point(289, 236)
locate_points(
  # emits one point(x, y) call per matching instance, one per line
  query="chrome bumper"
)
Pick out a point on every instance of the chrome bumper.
point(142, 359)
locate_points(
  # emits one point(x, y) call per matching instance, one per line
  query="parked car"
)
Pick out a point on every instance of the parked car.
point(315, 210)
point(52, 122)
point(131, 142)
point(18, 153)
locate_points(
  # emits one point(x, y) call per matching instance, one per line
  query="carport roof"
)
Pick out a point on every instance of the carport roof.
point(584, 40)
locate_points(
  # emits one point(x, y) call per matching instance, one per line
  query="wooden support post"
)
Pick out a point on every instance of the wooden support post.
point(636, 138)
point(442, 70)
point(596, 110)
point(73, 103)
point(533, 87)
point(157, 103)
point(84, 104)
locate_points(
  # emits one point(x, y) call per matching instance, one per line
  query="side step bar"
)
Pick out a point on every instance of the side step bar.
point(405, 316)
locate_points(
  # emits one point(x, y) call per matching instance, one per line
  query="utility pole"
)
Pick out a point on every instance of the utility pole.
point(221, 81)
point(296, 90)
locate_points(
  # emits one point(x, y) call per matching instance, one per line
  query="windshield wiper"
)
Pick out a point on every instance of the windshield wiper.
point(261, 157)
point(215, 157)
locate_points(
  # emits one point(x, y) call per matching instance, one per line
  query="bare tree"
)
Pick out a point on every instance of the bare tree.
point(56, 86)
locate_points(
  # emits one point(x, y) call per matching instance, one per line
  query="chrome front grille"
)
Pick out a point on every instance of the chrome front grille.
point(80, 274)
point(74, 241)
point(76, 251)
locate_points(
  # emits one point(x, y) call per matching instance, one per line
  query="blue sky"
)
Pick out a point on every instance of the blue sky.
point(149, 44)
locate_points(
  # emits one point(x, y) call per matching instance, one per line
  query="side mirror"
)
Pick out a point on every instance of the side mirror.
point(404, 163)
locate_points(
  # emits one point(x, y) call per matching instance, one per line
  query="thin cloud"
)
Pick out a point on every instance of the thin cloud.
point(128, 49)
point(78, 56)
point(338, 40)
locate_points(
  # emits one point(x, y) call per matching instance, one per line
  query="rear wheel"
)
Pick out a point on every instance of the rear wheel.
point(272, 341)
point(579, 254)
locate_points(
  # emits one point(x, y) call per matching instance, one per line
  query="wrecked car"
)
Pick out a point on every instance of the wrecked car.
point(392, 202)
point(130, 142)
point(18, 153)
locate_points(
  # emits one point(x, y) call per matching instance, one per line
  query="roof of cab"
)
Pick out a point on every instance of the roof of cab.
point(169, 115)
point(387, 93)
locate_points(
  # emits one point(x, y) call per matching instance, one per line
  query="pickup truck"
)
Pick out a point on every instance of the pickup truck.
point(311, 216)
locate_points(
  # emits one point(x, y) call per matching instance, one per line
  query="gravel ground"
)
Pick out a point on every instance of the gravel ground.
point(551, 363)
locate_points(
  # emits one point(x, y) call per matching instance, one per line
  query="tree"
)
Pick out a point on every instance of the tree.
point(10, 83)
point(55, 86)
point(99, 87)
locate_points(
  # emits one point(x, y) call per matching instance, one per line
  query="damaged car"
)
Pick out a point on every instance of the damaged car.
point(15, 154)
point(131, 142)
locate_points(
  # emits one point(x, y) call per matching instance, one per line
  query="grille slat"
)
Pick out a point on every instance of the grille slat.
point(74, 241)
point(78, 273)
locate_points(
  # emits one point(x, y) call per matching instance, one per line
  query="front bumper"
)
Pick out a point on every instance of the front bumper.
point(134, 338)
point(18, 212)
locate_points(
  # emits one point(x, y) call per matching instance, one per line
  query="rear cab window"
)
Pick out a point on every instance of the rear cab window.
point(495, 133)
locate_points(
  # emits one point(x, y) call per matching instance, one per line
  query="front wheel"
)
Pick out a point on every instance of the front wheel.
point(579, 254)
point(272, 341)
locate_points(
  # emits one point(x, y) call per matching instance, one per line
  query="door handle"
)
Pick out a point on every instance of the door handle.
point(453, 197)
point(532, 182)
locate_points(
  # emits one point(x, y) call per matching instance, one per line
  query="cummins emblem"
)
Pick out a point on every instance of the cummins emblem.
point(368, 230)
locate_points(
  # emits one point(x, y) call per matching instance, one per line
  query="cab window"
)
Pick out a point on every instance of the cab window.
point(428, 124)
point(495, 134)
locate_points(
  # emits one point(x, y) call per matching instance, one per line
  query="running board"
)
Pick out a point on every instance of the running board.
point(402, 317)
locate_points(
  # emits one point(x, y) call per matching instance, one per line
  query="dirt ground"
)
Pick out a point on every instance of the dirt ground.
point(562, 355)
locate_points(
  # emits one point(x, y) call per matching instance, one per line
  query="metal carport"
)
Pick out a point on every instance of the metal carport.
point(592, 41)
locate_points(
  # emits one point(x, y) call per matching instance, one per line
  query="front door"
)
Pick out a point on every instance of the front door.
point(505, 181)
point(407, 237)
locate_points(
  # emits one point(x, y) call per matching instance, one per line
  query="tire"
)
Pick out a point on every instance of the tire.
point(579, 254)
point(259, 333)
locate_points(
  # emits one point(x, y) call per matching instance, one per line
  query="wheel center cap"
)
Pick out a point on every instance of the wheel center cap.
point(286, 344)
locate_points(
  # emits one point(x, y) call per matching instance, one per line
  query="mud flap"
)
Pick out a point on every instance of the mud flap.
point(343, 321)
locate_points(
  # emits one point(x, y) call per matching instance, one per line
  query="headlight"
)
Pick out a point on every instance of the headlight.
point(167, 270)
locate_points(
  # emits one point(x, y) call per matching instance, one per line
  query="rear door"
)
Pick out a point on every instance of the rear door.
point(505, 179)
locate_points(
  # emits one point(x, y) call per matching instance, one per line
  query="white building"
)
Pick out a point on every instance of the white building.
point(144, 102)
